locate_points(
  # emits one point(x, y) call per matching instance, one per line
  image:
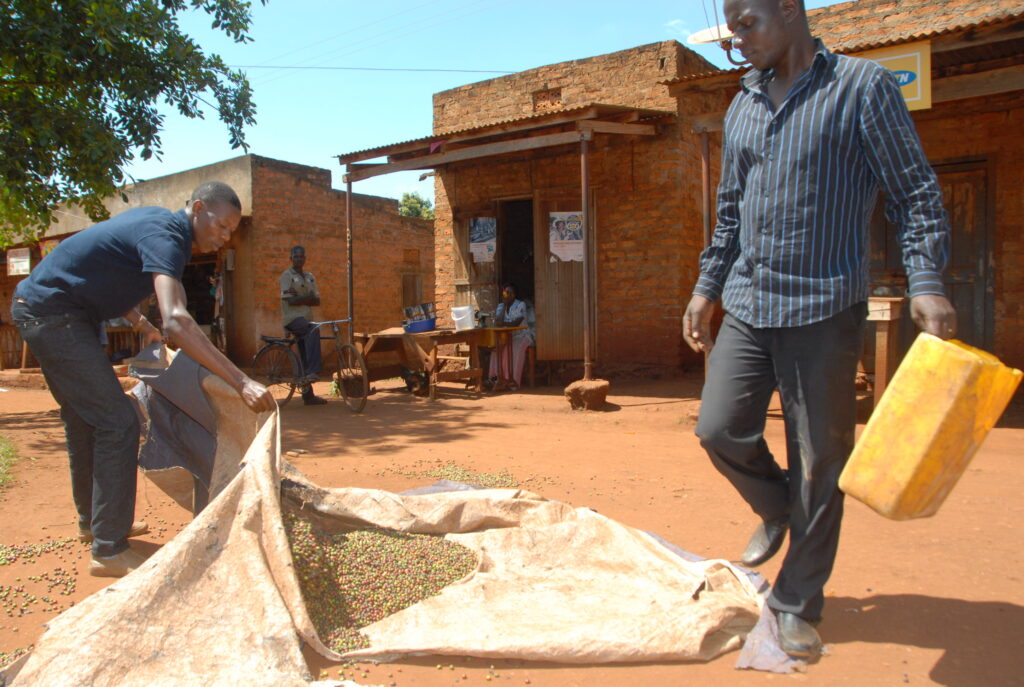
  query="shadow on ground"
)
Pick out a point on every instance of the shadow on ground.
point(980, 640)
point(45, 430)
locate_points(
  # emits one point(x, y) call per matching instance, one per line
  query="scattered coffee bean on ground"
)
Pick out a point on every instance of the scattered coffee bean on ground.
point(354, 579)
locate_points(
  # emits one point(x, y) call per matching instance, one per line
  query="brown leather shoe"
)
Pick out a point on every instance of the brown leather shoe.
point(116, 566)
point(138, 529)
point(797, 637)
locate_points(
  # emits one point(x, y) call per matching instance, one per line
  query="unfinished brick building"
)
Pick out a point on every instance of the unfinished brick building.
point(284, 204)
point(971, 134)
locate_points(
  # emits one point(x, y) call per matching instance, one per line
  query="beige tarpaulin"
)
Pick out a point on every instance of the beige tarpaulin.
point(220, 604)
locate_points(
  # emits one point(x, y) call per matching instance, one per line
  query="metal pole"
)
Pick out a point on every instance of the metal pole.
point(348, 247)
point(588, 363)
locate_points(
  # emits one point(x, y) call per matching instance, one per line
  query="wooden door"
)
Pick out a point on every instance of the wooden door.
point(969, 277)
point(475, 282)
point(559, 285)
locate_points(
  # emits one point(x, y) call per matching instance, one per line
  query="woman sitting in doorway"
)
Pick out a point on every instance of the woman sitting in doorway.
point(507, 361)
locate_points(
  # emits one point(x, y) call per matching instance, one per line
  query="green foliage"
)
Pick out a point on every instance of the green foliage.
point(8, 455)
point(415, 205)
point(80, 81)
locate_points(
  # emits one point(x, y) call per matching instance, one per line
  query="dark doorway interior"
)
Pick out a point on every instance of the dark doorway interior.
point(969, 278)
point(515, 245)
point(199, 288)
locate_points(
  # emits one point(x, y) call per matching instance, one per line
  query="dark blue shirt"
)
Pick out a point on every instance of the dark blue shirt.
point(797, 189)
point(107, 269)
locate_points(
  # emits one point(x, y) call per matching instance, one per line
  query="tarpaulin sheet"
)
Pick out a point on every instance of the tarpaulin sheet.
point(220, 603)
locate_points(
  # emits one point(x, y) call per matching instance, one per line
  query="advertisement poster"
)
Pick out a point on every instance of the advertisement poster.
point(565, 232)
point(18, 261)
point(911, 64)
point(46, 247)
point(483, 234)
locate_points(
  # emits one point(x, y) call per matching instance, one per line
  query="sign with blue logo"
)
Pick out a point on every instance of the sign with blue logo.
point(911, 64)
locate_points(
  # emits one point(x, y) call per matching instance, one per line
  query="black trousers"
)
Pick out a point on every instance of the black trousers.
point(814, 369)
point(309, 344)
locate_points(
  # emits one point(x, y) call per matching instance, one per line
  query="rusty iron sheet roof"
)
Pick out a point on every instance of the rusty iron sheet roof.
point(860, 25)
point(509, 125)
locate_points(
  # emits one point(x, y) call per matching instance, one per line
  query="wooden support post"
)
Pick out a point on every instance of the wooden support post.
point(348, 248)
point(705, 178)
point(885, 313)
point(588, 362)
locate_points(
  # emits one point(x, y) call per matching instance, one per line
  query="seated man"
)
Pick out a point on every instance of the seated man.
point(298, 296)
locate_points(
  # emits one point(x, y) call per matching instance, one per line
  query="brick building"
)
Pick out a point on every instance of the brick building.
point(284, 204)
point(509, 150)
point(971, 134)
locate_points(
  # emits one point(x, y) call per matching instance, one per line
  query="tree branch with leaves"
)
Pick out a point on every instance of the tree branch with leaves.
point(80, 85)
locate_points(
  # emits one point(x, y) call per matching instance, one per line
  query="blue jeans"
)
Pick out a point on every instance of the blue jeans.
point(100, 424)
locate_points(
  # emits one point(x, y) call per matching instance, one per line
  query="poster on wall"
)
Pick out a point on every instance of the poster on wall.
point(565, 233)
point(483, 235)
point(46, 247)
point(18, 261)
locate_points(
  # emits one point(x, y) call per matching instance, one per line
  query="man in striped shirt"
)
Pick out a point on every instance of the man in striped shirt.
point(808, 142)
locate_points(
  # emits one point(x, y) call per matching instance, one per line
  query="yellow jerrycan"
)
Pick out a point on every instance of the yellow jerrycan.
point(941, 403)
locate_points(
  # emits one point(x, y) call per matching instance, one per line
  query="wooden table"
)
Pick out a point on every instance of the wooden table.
point(419, 352)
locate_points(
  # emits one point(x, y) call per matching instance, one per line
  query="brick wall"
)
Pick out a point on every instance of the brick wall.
point(295, 204)
point(646, 190)
point(645, 252)
point(989, 128)
point(628, 77)
point(963, 130)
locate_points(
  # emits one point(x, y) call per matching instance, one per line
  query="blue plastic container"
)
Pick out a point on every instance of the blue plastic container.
point(420, 326)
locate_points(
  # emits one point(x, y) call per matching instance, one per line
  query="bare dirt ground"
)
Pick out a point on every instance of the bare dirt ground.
point(935, 601)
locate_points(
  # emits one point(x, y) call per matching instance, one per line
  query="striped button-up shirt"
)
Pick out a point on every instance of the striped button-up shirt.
point(798, 186)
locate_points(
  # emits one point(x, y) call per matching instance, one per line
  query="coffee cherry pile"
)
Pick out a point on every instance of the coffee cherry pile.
point(457, 473)
point(353, 579)
point(28, 553)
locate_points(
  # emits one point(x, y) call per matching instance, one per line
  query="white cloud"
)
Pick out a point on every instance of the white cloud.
point(678, 28)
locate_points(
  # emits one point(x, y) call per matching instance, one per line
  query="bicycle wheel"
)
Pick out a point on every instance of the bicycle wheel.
point(352, 377)
point(277, 368)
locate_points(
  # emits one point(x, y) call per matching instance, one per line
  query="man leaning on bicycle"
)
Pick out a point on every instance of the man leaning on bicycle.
point(298, 296)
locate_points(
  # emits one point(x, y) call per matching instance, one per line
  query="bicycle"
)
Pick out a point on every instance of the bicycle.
point(277, 367)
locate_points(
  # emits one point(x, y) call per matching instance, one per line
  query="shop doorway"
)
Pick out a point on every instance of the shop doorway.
point(515, 246)
point(198, 280)
point(969, 279)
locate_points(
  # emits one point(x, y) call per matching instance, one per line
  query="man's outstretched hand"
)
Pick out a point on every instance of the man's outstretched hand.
point(697, 324)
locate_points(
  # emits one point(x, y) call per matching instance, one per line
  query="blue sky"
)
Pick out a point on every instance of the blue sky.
point(309, 115)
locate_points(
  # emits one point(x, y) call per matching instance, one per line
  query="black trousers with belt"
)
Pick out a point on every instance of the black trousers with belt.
point(814, 369)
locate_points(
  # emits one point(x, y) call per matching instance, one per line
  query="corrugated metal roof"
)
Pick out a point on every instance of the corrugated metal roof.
point(602, 110)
